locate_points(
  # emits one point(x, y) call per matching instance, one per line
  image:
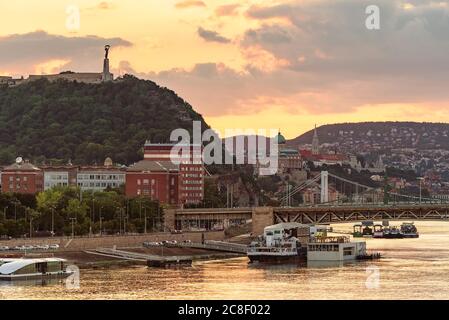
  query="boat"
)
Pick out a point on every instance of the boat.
point(408, 230)
point(337, 249)
point(281, 243)
point(378, 231)
point(25, 269)
point(392, 233)
point(363, 229)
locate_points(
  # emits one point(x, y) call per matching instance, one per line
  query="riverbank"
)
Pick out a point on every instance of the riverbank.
point(85, 259)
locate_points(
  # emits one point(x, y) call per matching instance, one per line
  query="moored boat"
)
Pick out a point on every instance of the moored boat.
point(281, 243)
point(24, 269)
point(378, 231)
point(408, 230)
point(392, 233)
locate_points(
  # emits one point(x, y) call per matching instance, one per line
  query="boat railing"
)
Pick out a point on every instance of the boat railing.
point(340, 239)
point(271, 249)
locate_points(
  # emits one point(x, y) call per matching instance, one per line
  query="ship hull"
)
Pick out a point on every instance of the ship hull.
point(275, 259)
point(410, 235)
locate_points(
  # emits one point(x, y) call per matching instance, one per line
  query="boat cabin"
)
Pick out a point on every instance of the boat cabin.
point(31, 268)
point(335, 249)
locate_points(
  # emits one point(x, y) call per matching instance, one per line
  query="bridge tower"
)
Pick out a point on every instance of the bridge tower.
point(324, 186)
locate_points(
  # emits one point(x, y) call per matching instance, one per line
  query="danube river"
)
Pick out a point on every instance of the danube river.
point(411, 269)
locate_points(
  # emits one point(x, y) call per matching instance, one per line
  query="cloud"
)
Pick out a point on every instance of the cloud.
point(317, 58)
point(23, 52)
point(104, 5)
point(189, 4)
point(212, 36)
point(227, 10)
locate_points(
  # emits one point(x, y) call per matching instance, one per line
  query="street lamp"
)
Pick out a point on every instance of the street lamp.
point(4, 211)
point(73, 226)
point(101, 220)
point(420, 189)
point(52, 221)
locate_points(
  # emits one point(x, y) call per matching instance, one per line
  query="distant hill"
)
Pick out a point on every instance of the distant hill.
point(57, 121)
point(384, 135)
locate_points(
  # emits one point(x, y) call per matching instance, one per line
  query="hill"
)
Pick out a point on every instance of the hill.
point(57, 121)
point(381, 135)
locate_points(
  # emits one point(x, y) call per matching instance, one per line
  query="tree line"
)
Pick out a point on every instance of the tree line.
point(63, 210)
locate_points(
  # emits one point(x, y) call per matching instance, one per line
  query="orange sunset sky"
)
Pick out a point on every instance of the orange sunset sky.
point(251, 63)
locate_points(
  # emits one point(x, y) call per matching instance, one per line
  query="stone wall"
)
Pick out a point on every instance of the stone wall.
point(84, 243)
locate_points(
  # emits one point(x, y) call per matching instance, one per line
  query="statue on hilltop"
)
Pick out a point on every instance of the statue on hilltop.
point(106, 49)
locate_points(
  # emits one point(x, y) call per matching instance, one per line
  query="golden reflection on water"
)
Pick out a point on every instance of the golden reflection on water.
point(411, 269)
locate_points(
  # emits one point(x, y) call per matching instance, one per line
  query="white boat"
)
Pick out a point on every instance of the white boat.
point(283, 242)
point(337, 249)
point(23, 269)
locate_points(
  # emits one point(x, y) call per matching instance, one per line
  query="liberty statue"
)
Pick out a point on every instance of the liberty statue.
point(106, 76)
point(106, 49)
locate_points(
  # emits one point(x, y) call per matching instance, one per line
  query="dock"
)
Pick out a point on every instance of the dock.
point(214, 245)
point(152, 260)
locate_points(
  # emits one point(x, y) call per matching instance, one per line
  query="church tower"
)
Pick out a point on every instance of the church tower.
point(107, 76)
point(315, 143)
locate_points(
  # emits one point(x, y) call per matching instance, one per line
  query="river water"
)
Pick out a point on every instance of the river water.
point(410, 269)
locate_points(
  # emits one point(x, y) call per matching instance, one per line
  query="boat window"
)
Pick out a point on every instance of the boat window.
point(277, 231)
point(269, 233)
point(29, 269)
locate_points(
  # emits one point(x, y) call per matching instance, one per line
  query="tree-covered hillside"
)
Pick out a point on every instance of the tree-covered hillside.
point(58, 121)
point(383, 134)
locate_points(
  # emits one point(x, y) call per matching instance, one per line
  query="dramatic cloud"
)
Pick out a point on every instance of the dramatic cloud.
point(189, 4)
point(23, 52)
point(317, 57)
point(212, 36)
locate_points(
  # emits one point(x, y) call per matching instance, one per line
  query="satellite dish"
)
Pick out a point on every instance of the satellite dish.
point(19, 160)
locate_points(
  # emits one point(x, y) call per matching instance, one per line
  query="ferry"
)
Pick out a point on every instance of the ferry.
point(408, 230)
point(280, 243)
point(25, 269)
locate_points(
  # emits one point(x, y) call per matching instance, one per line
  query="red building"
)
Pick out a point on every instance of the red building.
point(186, 170)
point(22, 177)
point(158, 180)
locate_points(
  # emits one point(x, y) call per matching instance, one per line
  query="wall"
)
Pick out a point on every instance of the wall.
point(68, 244)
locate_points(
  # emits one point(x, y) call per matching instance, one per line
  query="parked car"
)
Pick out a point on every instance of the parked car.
point(151, 244)
point(187, 241)
point(4, 248)
point(54, 246)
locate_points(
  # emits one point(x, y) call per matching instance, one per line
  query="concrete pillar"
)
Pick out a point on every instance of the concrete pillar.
point(169, 219)
point(261, 217)
point(324, 186)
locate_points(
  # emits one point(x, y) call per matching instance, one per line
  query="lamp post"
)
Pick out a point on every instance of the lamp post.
point(52, 221)
point(420, 189)
point(145, 228)
point(4, 212)
point(73, 226)
point(101, 220)
point(15, 210)
point(31, 226)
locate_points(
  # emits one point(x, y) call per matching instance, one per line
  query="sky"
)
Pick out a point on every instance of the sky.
point(250, 64)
